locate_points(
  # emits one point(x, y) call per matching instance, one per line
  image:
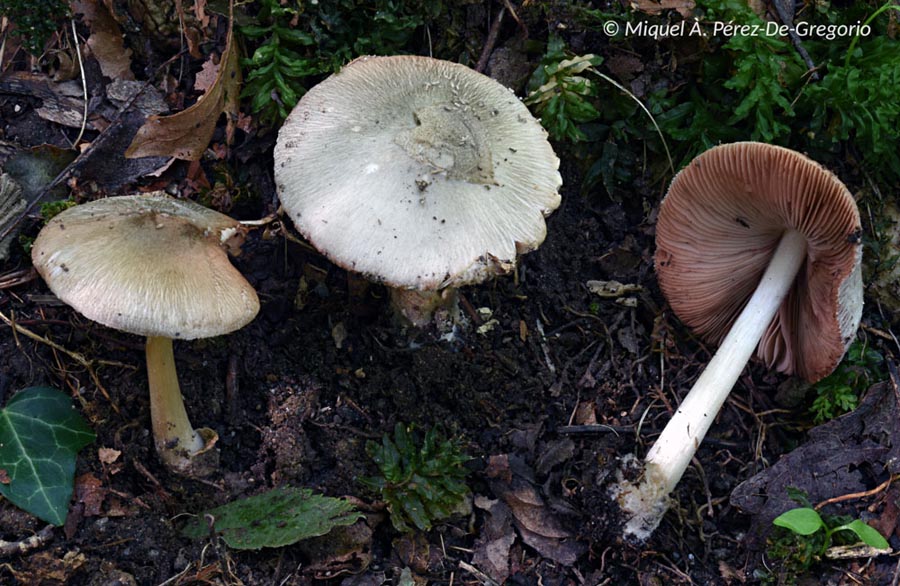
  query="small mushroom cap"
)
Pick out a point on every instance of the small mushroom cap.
point(416, 172)
point(718, 226)
point(149, 265)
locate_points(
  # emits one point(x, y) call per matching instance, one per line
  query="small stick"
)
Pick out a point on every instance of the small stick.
point(79, 162)
point(473, 315)
point(786, 16)
point(490, 42)
point(485, 579)
point(231, 386)
point(263, 221)
point(17, 277)
point(590, 429)
point(77, 357)
point(83, 86)
point(858, 495)
point(545, 348)
point(11, 548)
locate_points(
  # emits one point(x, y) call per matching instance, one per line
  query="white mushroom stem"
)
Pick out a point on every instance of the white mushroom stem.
point(176, 439)
point(419, 307)
point(670, 455)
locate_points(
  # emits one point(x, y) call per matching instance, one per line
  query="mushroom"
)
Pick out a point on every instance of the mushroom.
point(418, 173)
point(156, 267)
point(758, 248)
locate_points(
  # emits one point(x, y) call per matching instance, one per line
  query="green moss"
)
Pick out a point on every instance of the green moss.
point(35, 20)
point(299, 40)
point(422, 479)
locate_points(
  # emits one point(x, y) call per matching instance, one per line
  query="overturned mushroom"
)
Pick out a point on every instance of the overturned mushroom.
point(758, 248)
point(418, 173)
point(156, 267)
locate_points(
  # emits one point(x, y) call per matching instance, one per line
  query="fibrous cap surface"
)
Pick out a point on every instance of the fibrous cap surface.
point(149, 265)
point(416, 172)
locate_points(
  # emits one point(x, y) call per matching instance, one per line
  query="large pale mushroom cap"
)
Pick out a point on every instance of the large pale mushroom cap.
point(148, 265)
point(416, 172)
point(721, 220)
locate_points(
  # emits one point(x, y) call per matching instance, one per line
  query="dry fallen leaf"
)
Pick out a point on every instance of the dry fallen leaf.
point(46, 568)
point(539, 525)
point(497, 536)
point(656, 7)
point(186, 135)
point(108, 455)
point(11, 205)
point(105, 41)
point(90, 492)
point(206, 77)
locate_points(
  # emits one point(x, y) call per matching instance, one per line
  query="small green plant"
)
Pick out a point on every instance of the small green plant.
point(298, 40)
point(838, 393)
point(422, 480)
point(805, 537)
point(50, 209)
point(40, 435)
point(560, 95)
point(572, 108)
point(35, 20)
point(805, 521)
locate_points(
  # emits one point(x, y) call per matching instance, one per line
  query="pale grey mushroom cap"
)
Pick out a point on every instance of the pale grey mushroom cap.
point(148, 265)
point(416, 172)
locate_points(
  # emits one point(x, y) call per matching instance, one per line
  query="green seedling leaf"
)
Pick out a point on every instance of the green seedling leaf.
point(40, 435)
point(275, 518)
point(868, 535)
point(802, 521)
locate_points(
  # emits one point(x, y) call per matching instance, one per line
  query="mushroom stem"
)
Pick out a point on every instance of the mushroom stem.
point(667, 460)
point(419, 307)
point(176, 439)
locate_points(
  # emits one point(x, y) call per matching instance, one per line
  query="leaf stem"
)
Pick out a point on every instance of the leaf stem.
point(887, 6)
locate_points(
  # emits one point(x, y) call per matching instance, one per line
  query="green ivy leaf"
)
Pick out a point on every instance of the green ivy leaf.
point(802, 521)
point(275, 518)
point(40, 435)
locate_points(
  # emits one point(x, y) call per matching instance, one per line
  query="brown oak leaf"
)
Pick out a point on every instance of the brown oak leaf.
point(186, 135)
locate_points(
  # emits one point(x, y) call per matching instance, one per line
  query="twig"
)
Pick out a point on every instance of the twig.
point(590, 429)
point(214, 541)
point(635, 99)
point(512, 12)
point(149, 476)
point(4, 24)
point(77, 357)
point(490, 41)
point(231, 387)
point(787, 18)
point(11, 548)
point(17, 277)
point(895, 379)
point(467, 306)
point(858, 495)
point(83, 157)
point(83, 86)
point(263, 221)
point(545, 348)
point(485, 579)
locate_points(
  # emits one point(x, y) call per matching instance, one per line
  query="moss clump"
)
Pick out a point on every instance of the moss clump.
point(35, 20)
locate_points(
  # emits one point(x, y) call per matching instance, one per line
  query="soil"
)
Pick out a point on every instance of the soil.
point(546, 384)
